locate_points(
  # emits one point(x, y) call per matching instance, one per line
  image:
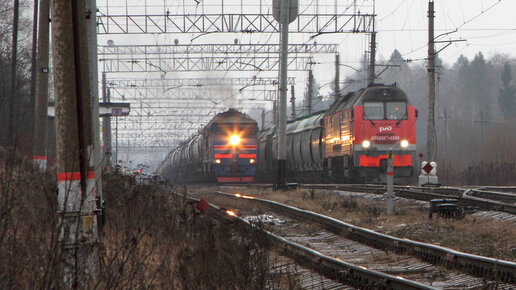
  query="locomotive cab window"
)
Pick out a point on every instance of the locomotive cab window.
point(242, 130)
point(396, 110)
point(373, 111)
point(385, 111)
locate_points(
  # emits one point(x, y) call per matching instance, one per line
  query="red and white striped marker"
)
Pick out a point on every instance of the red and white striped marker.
point(70, 195)
point(40, 162)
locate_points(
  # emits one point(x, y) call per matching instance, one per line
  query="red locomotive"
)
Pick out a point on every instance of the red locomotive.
point(362, 127)
point(348, 142)
point(224, 152)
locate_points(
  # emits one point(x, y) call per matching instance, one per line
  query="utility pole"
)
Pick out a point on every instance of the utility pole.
point(91, 39)
point(34, 52)
point(481, 126)
point(372, 57)
point(106, 127)
point(445, 117)
point(336, 86)
point(41, 96)
point(282, 124)
point(372, 53)
point(431, 84)
point(310, 91)
point(263, 119)
point(275, 112)
point(75, 173)
point(293, 102)
point(14, 63)
point(282, 13)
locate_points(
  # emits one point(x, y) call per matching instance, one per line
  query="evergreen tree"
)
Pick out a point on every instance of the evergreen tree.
point(480, 82)
point(475, 83)
point(506, 94)
point(312, 93)
point(396, 57)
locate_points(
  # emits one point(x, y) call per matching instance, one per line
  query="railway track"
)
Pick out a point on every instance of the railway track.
point(331, 242)
point(477, 198)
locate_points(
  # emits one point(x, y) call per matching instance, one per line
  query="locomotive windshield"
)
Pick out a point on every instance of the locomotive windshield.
point(396, 110)
point(385, 110)
point(243, 130)
point(373, 111)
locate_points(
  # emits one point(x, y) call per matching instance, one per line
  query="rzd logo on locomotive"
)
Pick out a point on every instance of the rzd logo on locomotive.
point(385, 129)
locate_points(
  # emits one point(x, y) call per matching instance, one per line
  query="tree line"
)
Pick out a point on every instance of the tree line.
point(22, 110)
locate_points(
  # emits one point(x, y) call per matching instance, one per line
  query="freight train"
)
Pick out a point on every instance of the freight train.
point(225, 151)
point(348, 142)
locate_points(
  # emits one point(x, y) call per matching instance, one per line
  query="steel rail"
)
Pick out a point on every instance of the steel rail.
point(427, 194)
point(492, 195)
point(329, 267)
point(490, 268)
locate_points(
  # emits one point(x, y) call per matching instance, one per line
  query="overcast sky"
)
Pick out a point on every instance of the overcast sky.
point(486, 25)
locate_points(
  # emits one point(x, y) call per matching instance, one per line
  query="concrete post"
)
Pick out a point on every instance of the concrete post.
point(336, 86)
point(91, 36)
point(431, 84)
point(293, 102)
point(390, 184)
point(282, 121)
point(39, 144)
point(75, 174)
point(106, 128)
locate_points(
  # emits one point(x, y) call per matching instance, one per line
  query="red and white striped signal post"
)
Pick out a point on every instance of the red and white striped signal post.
point(390, 184)
point(74, 140)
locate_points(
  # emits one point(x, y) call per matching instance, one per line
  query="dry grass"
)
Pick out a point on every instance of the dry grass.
point(481, 236)
point(152, 239)
point(155, 239)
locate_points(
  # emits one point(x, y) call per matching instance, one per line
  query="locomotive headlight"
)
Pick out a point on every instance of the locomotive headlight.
point(251, 161)
point(234, 140)
point(217, 161)
point(366, 143)
point(404, 143)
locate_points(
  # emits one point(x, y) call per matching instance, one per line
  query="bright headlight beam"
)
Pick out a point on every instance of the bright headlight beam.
point(404, 143)
point(234, 140)
point(366, 144)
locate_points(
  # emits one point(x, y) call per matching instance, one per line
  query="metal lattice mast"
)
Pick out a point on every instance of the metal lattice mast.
point(196, 49)
point(201, 63)
point(109, 23)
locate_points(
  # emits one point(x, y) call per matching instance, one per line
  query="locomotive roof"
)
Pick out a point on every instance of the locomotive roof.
point(291, 123)
point(229, 116)
point(375, 92)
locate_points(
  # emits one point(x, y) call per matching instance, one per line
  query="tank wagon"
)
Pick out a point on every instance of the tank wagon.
point(348, 142)
point(224, 151)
